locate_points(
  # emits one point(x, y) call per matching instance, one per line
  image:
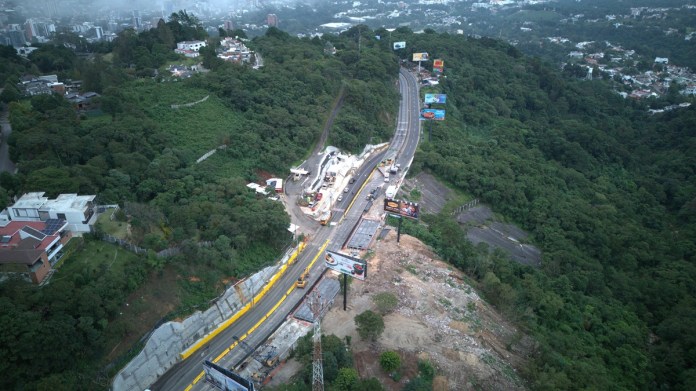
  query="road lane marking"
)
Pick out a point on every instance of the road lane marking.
point(263, 319)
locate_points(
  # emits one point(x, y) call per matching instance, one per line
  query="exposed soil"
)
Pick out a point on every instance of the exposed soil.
point(439, 318)
point(482, 226)
point(434, 195)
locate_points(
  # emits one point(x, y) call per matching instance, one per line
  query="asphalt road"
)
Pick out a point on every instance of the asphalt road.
point(404, 143)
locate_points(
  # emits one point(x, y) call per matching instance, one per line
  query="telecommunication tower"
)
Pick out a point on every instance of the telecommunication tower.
point(315, 305)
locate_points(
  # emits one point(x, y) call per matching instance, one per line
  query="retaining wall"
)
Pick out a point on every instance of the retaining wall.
point(164, 346)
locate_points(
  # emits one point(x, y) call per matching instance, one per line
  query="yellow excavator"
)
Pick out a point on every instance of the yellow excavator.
point(302, 280)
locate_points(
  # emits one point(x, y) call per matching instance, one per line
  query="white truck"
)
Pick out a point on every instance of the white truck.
point(394, 168)
point(391, 191)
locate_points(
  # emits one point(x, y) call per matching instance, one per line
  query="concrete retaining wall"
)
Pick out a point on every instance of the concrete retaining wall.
point(164, 346)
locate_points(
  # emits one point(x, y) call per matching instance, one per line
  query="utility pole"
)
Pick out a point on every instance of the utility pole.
point(317, 368)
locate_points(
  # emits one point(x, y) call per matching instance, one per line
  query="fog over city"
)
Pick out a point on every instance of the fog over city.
point(96, 8)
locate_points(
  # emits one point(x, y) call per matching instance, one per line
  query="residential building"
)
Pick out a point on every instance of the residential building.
point(82, 102)
point(233, 50)
point(30, 249)
point(190, 45)
point(77, 210)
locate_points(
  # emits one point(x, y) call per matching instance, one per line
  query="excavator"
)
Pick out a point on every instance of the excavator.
point(302, 280)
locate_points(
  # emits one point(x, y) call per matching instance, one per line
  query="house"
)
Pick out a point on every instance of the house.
point(76, 210)
point(276, 184)
point(234, 50)
point(82, 102)
point(30, 249)
point(38, 85)
point(689, 90)
point(190, 45)
point(189, 48)
point(661, 60)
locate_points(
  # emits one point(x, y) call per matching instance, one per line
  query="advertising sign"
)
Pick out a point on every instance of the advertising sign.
point(432, 114)
point(420, 56)
point(435, 98)
point(225, 380)
point(353, 267)
point(438, 65)
point(402, 208)
point(399, 45)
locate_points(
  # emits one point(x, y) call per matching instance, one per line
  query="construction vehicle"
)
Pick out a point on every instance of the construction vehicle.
point(325, 218)
point(391, 192)
point(302, 280)
point(269, 360)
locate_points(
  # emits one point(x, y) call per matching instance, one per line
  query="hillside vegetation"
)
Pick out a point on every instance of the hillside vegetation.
point(139, 152)
point(607, 192)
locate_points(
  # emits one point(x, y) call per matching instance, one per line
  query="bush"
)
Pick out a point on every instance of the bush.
point(426, 369)
point(370, 325)
point(389, 361)
point(386, 302)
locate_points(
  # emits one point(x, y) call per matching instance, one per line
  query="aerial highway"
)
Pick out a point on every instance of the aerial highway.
point(187, 374)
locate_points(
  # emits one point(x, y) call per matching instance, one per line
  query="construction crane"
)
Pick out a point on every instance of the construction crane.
point(269, 360)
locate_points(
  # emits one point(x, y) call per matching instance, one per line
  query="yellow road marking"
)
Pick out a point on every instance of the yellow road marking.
point(263, 319)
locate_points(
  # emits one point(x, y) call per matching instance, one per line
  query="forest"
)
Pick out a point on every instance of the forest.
point(137, 151)
point(606, 191)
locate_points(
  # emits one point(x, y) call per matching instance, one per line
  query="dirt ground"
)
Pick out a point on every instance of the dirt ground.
point(434, 195)
point(439, 318)
point(482, 226)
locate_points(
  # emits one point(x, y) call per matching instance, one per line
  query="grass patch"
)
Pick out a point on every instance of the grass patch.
point(113, 227)
point(99, 256)
point(412, 269)
point(196, 129)
point(415, 195)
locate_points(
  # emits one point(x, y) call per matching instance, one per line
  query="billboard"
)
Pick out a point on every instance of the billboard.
point(438, 65)
point(420, 56)
point(435, 98)
point(399, 45)
point(402, 208)
point(432, 114)
point(225, 380)
point(353, 267)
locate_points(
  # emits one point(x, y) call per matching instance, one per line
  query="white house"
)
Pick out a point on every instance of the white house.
point(77, 210)
point(190, 45)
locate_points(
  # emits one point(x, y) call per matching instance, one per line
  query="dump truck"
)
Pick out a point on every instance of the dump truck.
point(302, 280)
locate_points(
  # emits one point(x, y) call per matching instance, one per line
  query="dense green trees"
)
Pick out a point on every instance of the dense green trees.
point(605, 190)
point(63, 323)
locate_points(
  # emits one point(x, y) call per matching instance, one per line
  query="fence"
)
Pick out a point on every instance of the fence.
point(124, 243)
point(466, 206)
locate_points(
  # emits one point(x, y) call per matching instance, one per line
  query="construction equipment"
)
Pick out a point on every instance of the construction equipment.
point(325, 217)
point(302, 280)
point(269, 360)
